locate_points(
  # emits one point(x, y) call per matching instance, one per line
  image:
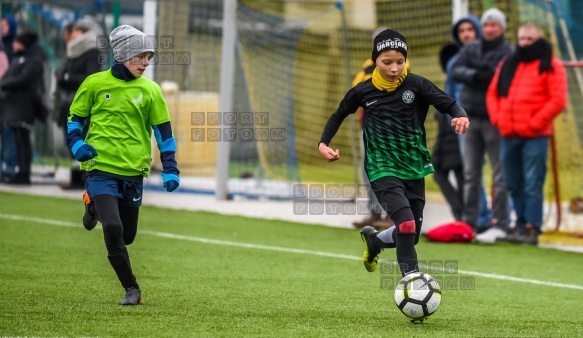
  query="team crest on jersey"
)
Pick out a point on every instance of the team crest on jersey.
point(408, 96)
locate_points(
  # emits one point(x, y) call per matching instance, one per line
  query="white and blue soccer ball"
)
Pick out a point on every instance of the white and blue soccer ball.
point(418, 296)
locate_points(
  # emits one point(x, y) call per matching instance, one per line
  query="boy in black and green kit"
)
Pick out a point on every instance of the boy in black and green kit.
point(395, 105)
point(122, 108)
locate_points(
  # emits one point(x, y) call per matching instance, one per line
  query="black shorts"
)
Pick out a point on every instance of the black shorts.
point(395, 194)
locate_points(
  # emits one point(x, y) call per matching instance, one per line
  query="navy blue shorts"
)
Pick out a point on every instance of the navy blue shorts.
point(129, 193)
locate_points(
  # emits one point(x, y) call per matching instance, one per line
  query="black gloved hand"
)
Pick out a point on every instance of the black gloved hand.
point(483, 76)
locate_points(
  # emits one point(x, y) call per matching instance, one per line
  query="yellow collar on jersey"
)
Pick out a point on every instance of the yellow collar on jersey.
point(384, 85)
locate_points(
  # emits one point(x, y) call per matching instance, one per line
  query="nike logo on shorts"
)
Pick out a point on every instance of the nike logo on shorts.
point(137, 199)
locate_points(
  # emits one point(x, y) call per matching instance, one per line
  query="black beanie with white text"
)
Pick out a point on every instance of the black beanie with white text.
point(389, 40)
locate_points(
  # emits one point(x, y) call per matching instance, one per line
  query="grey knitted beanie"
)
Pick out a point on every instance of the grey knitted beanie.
point(496, 15)
point(127, 42)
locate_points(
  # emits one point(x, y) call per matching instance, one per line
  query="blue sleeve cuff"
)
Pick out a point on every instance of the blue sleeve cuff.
point(76, 146)
point(75, 130)
point(170, 177)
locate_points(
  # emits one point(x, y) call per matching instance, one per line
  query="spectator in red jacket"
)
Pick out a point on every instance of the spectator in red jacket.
point(527, 92)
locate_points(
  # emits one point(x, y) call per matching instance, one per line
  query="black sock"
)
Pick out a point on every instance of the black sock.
point(121, 266)
point(405, 240)
point(406, 253)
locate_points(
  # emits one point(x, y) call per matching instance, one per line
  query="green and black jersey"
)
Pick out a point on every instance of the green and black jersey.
point(394, 131)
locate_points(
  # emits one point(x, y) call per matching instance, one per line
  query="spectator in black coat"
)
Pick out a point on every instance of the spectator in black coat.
point(446, 157)
point(82, 61)
point(8, 157)
point(21, 98)
point(475, 68)
point(56, 112)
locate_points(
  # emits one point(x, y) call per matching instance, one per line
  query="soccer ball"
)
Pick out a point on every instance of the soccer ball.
point(418, 296)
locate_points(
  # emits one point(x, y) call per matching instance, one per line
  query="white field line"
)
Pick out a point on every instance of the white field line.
point(282, 249)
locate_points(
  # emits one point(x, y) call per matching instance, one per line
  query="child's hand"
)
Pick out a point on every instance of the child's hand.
point(330, 154)
point(460, 124)
point(84, 152)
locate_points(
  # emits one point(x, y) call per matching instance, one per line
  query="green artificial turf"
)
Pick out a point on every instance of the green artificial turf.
point(204, 274)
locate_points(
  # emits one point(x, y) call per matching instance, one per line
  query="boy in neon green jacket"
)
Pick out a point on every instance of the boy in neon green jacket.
point(121, 109)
